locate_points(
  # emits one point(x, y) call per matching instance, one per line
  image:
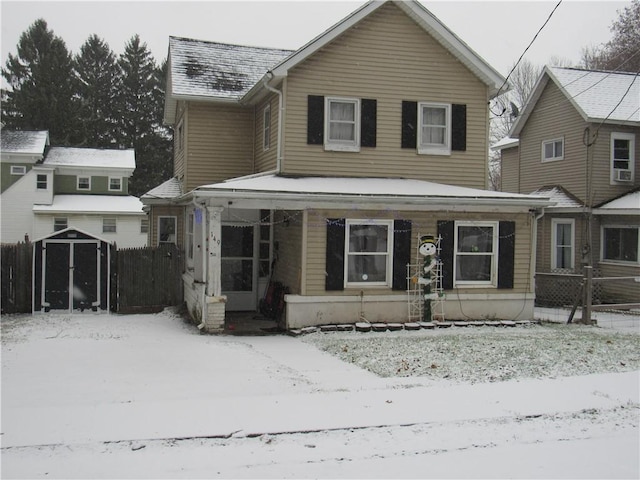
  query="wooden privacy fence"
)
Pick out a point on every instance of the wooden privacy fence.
point(17, 266)
point(148, 279)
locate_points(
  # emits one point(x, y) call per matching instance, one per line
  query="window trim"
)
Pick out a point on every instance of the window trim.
point(107, 227)
point(337, 145)
point(119, 183)
point(266, 127)
point(495, 254)
point(59, 224)
point(18, 170)
point(631, 161)
point(555, 157)
point(175, 222)
point(81, 177)
point(387, 283)
point(554, 242)
point(434, 148)
point(602, 245)
point(42, 181)
point(144, 226)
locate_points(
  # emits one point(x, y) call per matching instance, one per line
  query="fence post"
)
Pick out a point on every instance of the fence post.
point(588, 291)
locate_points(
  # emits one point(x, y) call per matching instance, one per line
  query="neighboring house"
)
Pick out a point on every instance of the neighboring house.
point(320, 169)
point(51, 189)
point(576, 142)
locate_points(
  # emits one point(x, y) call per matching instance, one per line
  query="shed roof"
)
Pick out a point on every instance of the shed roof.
point(24, 142)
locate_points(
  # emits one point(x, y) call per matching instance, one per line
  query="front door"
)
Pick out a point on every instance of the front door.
point(239, 267)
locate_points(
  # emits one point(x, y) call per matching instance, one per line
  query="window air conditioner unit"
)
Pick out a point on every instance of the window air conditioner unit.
point(621, 175)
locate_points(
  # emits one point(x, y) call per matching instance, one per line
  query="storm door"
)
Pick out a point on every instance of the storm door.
point(239, 267)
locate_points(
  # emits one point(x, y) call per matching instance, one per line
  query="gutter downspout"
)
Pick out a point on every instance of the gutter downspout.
point(279, 157)
point(534, 241)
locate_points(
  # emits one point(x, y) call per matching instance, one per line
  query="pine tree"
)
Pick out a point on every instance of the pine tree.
point(41, 93)
point(97, 74)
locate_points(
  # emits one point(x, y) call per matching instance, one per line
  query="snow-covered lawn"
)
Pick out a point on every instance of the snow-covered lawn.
point(147, 396)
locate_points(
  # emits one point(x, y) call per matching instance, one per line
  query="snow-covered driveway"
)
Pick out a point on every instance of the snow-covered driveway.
point(148, 397)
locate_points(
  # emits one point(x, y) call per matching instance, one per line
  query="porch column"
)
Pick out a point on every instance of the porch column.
point(215, 302)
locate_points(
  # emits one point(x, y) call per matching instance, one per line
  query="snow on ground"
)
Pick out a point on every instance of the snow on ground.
point(146, 396)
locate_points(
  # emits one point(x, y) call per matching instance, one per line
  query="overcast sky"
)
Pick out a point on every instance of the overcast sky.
point(497, 30)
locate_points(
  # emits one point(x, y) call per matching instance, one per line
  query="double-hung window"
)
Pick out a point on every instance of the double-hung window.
point(342, 124)
point(434, 128)
point(115, 184)
point(475, 260)
point(109, 225)
point(167, 228)
point(369, 247)
point(553, 150)
point(622, 157)
point(562, 243)
point(41, 182)
point(620, 244)
point(59, 223)
point(84, 183)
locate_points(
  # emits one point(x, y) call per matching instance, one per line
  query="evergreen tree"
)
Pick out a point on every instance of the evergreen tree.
point(41, 93)
point(97, 74)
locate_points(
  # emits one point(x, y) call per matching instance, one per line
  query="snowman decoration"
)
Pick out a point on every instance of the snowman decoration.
point(428, 250)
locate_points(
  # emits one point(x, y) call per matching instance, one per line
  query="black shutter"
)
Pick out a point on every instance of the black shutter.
point(335, 254)
point(401, 253)
point(315, 120)
point(409, 124)
point(458, 127)
point(368, 122)
point(446, 232)
point(506, 254)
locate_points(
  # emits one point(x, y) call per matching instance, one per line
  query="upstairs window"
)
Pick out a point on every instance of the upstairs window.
point(342, 129)
point(434, 128)
point(84, 183)
point(18, 170)
point(622, 157)
point(266, 128)
point(109, 225)
point(41, 182)
point(620, 244)
point(553, 150)
point(59, 223)
point(144, 225)
point(115, 184)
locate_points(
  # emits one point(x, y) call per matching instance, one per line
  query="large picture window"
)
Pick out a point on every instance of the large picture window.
point(434, 132)
point(562, 243)
point(475, 253)
point(342, 130)
point(167, 228)
point(620, 244)
point(368, 252)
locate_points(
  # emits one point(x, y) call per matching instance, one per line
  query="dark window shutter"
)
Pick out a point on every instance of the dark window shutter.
point(506, 254)
point(409, 124)
point(315, 120)
point(458, 127)
point(368, 122)
point(401, 253)
point(446, 232)
point(335, 254)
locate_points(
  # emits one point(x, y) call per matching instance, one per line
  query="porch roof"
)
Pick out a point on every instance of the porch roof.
point(300, 192)
point(628, 204)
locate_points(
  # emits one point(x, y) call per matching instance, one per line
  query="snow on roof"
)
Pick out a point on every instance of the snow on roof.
point(172, 188)
point(91, 158)
point(24, 142)
point(597, 93)
point(360, 187)
point(560, 196)
point(626, 204)
point(92, 204)
point(506, 142)
point(209, 69)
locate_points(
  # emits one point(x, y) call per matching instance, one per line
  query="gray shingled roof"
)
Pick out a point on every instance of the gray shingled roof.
point(25, 142)
point(558, 195)
point(91, 157)
point(209, 69)
point(172, 188)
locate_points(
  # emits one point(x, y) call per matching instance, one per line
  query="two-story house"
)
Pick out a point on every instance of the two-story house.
point(321, 168)
point(576, 142)
point(48, 189)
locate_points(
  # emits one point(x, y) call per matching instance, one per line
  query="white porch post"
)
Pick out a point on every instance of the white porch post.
point(214, 301)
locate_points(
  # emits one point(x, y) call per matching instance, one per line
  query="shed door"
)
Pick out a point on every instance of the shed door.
point(56, 275)
point(85, 275)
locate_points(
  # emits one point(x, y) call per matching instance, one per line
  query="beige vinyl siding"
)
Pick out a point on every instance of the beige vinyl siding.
point(288, 238)
point(265, 160)
point(423, 223)
point(220, 143)
point(389, 58)
point(509, 178)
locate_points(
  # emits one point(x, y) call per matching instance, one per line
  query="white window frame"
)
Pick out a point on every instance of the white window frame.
point(83, 177)
point(342, 145)
point(630, 162)
point(144, 225)
point(18, 170)
point(173, 240)
point(388, 253)
point(109, 225)
point(425, 147)
point(119, 179)
point(266, 127)
point(602, 244)
point(553, 142)
point(554, 242)
point(493, 280)
point(42, 181)
point(60, 223)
